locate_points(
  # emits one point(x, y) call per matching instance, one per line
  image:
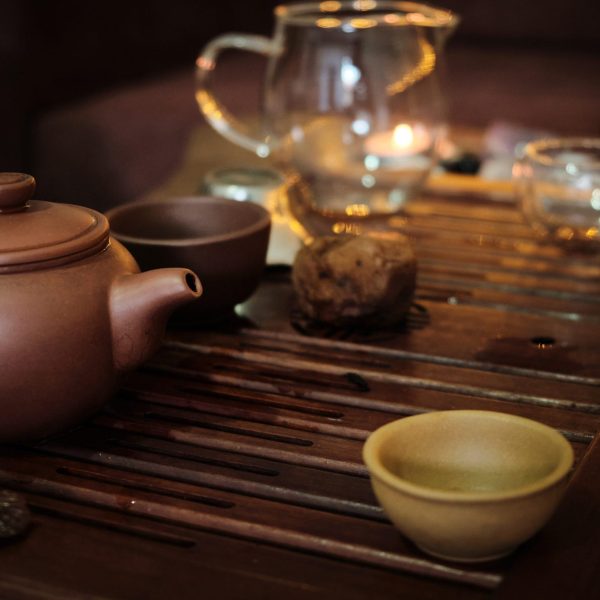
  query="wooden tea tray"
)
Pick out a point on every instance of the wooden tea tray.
point(230, 466)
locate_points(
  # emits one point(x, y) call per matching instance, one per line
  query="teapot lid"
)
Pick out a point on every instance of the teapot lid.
point(36, 235)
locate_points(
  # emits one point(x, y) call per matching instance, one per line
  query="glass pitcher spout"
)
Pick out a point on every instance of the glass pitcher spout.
point(437, 23)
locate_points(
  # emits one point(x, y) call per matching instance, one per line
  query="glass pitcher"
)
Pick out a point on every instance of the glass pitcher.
point(352, 109)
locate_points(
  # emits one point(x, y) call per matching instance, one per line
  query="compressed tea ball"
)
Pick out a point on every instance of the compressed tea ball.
point(355, 279)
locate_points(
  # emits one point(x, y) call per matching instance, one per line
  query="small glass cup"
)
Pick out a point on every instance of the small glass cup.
point(558, 184)
point(267, 188)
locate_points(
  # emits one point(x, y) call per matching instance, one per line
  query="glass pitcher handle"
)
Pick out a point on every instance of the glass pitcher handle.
point(216, 114)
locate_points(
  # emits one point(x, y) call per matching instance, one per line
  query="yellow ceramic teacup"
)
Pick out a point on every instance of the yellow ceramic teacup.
point(468, 485)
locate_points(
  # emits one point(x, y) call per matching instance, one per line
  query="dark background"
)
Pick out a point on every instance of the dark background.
point(533, 62)
point(58, 52)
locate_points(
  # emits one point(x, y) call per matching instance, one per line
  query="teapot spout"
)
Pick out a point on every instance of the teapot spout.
point(140, 305)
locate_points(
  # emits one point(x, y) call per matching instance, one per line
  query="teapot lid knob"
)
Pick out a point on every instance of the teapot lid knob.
point(16, 189)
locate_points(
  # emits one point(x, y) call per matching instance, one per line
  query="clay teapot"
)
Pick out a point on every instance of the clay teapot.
point(75, 311)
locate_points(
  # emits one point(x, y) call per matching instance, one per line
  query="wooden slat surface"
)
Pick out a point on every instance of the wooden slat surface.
point(230, 465)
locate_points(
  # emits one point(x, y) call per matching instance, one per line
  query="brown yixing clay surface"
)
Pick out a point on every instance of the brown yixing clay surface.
point(75, 311)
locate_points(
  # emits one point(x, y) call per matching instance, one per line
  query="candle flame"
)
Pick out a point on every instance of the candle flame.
point(403, 136)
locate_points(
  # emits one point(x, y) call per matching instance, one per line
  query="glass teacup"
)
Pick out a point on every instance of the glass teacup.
point(558, 183)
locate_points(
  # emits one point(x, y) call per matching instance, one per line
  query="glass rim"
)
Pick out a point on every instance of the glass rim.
point(537, 150)
point(365, 14)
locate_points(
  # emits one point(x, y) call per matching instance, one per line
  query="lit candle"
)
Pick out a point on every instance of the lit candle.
point(402, 147)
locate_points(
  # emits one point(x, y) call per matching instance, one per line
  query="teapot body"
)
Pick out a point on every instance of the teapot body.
point(56, 346)
point(74, 311)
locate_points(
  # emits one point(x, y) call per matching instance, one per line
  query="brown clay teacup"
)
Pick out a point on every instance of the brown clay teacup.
point(223, 241)
point(468, 485)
